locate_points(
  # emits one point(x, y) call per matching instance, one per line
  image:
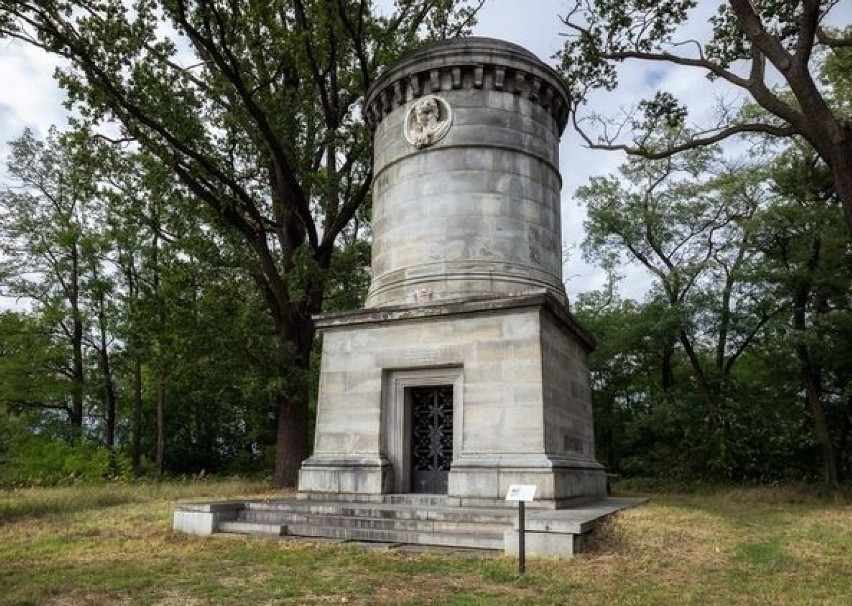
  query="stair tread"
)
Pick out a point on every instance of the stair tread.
point(303, 506)
point(242, 526)
point(460, 516)
point(417, 537)
point(392, 524)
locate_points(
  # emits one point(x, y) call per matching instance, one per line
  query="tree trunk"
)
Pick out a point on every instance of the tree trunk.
point(160, 455)
point(291, 440)
point(109, 391)
point(106, 370)
point(76, 346)
point(703, 384)
point(291, 436)
point(812, 380)
point(161, 420)
point(135, 351)
point(136, 425)
point(841, 168)
point(843, 442)
point(667, 366)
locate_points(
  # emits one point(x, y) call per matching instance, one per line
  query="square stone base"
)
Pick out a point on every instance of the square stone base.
point(521, 411)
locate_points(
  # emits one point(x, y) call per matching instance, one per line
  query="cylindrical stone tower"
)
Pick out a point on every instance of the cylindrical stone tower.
point(465, 373)
point(466, 196)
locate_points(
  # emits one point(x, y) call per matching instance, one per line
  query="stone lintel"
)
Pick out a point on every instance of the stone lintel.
point(407, 313)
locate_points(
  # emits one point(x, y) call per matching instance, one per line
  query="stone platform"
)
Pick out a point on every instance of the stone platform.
point(521, 409)
point(426, 520)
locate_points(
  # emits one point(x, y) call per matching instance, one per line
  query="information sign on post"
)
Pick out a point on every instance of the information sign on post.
point(522, 493)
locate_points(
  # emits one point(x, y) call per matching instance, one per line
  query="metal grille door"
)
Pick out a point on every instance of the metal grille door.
point(431, 438)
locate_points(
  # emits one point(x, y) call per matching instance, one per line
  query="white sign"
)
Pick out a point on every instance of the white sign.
point(521, 492)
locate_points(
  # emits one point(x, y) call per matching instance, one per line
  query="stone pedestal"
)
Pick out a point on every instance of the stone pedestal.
point(522, 402)
point(466, 296)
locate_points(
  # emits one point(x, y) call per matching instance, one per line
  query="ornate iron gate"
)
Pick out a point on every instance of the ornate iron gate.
point(431, 438)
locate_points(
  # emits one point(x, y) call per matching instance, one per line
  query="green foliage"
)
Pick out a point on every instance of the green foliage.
point(736, 364)
point(748, 42)
point(257, 114)
point(30, 364)
point(44, 460)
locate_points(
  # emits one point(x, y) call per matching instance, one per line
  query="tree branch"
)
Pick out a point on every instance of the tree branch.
point(724, 133)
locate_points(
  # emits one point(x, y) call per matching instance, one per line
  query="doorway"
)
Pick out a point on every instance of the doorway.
point(431, 437)
point(439, 393)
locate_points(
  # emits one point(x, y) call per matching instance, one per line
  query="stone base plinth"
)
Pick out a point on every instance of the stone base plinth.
point(521, 403)
point(559, 483)
point(345, 475)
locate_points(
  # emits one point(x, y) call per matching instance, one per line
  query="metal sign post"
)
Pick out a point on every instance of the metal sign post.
point(522, 493)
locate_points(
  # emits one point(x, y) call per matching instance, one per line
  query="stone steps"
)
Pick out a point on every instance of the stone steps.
point(404, 519)
point(443, 539)
point(272, 511)
point(415, 521)
point(419, 521)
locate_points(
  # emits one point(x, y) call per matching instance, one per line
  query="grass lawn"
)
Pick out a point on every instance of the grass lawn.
point(113, 544)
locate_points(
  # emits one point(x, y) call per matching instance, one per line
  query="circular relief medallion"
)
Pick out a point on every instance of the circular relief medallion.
point(428, 119)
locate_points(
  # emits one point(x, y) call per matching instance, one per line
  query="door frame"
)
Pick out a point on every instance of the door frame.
point(396, 415)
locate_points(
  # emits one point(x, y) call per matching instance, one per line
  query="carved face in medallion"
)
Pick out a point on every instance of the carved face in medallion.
point(427, 120)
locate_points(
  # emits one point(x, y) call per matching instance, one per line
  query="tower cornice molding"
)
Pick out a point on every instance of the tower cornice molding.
point(471, 63)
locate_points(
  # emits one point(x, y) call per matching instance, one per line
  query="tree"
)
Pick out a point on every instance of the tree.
point(43, 226)
point(687, 221)
point(807, 263)
point(31, 366)
point(255, 107)
point(750, 43)
point(750, 296)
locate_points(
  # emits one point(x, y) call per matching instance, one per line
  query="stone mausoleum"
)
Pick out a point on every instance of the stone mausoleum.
point(465, 372)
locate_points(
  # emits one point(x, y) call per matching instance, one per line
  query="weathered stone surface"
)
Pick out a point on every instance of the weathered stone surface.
point(492, 351)
point(426, 520)
point(476, 212)
point(466, 293)
point(543, 544)
point(204, 518)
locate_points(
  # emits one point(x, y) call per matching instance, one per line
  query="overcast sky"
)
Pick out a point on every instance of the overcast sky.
point(30, 97)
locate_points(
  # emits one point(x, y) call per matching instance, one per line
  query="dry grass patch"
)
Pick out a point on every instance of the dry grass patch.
point(748, 546)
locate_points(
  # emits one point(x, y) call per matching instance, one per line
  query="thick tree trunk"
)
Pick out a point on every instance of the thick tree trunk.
point(667, 366)
point(843, 442)
point(841, 168)
point(291, 436)
point(812, 380)
point(291, 440)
